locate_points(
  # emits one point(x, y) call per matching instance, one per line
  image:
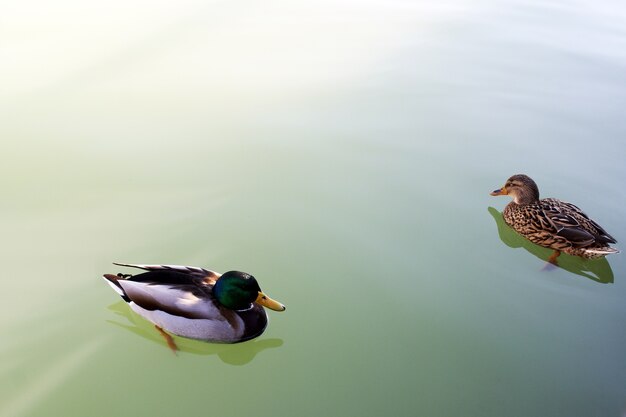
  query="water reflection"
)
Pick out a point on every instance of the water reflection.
point(48, 378)
point(232, 354)
point(597, 270)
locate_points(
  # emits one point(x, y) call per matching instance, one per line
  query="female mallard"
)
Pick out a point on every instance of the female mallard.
point(195, 302)
point(552, 223)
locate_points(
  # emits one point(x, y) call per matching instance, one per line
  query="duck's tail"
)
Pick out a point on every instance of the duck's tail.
point(597, 252)
point(112, 281)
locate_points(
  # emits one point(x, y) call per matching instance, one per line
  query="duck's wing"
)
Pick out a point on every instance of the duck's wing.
point(177, 293)
point(190, 270)
point(601, 235)
point(573, 224)
point(179, 300)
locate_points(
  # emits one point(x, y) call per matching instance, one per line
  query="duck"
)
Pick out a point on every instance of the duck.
point(553, 223)
point(196, 303)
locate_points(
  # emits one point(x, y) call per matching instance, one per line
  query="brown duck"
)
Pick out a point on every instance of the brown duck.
point(552, 223)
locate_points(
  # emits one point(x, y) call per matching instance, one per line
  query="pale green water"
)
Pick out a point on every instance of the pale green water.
point(343, 153)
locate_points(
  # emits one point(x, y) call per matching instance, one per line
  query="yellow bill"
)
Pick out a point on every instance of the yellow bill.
point(500, 191)
point(267, 302)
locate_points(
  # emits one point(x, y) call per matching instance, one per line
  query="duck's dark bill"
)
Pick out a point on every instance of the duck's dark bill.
point(499, 191)
point(267, 302)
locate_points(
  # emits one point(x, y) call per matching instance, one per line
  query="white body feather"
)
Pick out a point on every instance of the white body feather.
point(211, 330)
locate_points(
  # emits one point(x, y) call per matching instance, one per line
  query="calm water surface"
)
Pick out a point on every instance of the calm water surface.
point(343, 152)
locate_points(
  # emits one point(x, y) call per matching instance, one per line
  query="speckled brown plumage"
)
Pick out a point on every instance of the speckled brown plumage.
point(553, 223)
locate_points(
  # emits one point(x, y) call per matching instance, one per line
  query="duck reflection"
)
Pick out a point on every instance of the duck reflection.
point(597, 270)
point(232, 354)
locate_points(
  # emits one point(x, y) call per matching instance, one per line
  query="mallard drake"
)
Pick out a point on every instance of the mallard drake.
point(195, 302)
point(552, 223)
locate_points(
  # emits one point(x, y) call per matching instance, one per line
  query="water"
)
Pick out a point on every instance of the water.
point(343, 152)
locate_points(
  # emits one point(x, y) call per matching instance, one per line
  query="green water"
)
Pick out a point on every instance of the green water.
point(342, 152)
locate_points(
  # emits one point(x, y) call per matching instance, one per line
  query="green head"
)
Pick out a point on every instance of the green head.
point(237, 290)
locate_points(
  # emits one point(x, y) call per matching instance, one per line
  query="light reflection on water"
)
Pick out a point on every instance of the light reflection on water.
point(50, 378)
point(341, 152)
